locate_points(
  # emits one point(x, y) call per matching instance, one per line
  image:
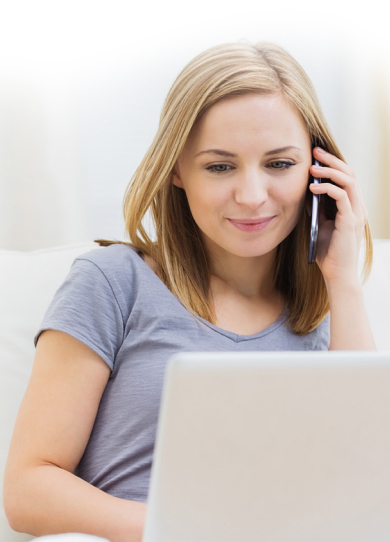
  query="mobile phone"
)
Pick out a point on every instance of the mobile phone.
point(315, 213)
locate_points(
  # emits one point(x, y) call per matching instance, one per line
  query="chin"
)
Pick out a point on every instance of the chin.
point(254, 251)
point(242, 247)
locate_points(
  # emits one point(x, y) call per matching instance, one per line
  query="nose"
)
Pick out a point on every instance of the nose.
point(251, 189)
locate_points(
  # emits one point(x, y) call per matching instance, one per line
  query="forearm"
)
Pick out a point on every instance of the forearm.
point(47, 500)
point(349, 325)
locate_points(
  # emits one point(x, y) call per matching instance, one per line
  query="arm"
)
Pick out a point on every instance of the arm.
point(338, 254)
point(349, 325)
point(55, 420)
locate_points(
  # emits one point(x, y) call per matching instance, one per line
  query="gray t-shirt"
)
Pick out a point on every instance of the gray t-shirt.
point(114, 303)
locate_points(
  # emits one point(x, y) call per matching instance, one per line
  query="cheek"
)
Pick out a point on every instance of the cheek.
point(292, 194)
point(207, 198)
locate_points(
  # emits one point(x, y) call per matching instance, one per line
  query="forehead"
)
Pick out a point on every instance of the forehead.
point(263, 119)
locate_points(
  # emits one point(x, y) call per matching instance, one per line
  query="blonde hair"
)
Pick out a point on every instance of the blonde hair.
point(181, 261)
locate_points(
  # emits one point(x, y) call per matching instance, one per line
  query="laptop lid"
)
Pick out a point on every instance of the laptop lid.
point(272, 446)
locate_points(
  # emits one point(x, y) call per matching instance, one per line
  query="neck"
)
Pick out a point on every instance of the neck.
point(250, 277)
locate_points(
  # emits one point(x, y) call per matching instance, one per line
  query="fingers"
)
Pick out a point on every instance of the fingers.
point(348, 184)
point(341, 174)
point(332, 161)
point(343, 203)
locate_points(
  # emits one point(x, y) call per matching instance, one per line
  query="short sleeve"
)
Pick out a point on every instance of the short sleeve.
point(85, 307)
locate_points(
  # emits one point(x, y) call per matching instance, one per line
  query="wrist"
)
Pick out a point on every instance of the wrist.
point(345, 287)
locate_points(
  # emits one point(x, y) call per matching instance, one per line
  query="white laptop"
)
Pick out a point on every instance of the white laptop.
point(281, 446)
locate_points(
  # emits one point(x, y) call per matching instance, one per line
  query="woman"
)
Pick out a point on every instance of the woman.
point(227, 182)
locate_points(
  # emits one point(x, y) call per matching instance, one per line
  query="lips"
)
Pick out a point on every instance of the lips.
point(251, 220)
point(251, 224)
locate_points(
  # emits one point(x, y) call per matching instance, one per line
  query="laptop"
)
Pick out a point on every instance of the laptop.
point(280, 446)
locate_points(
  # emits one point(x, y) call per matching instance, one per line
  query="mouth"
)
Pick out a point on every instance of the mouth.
point(251, 224)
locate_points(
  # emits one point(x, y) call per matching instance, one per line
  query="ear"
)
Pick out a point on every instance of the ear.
point(176, 178)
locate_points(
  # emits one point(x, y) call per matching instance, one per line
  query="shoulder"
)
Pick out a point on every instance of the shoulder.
point(95, 300)
point(324, 326)
point(112, 257)
point(115, 272)
point(317, 339)
point(120, 264)
point(320, 336)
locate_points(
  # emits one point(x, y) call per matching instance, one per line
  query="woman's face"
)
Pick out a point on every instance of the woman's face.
point(245, 171)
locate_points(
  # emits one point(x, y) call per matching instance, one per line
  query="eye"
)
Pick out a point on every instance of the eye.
point(280, 164)
point(219, 168)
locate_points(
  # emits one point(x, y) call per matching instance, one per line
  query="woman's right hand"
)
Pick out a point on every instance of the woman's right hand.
point(41, 493)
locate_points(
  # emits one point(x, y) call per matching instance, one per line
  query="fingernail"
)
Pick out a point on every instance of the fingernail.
point(320, 150)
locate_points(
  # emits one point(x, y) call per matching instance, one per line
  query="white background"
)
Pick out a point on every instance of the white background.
point(82, 85)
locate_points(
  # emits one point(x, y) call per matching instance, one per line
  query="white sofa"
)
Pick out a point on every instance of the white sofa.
point(28, 281)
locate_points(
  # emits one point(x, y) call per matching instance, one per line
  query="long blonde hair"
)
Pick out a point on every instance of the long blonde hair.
point(181, 261)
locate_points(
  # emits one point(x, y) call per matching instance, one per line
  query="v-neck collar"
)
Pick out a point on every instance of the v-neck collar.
point(239, 338)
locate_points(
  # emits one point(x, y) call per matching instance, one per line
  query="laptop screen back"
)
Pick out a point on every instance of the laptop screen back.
point(272, 446)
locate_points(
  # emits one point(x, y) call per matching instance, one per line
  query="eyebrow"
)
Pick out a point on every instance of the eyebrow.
point(217, 151)
point(281, 149)
point(232, 155)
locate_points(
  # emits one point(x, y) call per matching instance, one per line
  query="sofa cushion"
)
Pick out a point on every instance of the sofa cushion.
point(28, 281)
point(377, 294)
